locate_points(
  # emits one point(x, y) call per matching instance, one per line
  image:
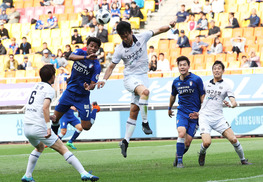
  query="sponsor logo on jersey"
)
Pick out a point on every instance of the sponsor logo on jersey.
point(86, 106)
point(138, 43)
point(91, 65)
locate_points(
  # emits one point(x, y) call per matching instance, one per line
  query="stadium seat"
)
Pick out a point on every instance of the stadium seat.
point(204, 32)
point(19, 4)
point(193, 34)
point(175, 52)
point(232, 8)
point(77, 2)
point(28, 3)
point(252, 6)
point(164, 44)
point(23, 19)
point(227, 41)
point(243, 7)
point(30, 12)
point(172, 44)
point(258, 31)
point(186, 51)
point(210, 58)
point(109, 47)
point(144, 13)
point(73, 17)
point(59, 9)
point(241, 1)
point(231, 57)
point(248, 32)
point(55, 33)
point(221, 57)
point(116, 39)
point(114, 77)
point(247, 71)
point(68, 3)
point(30, 75)
point(250, 40)
point(199, 59)
point(135, 22)
point(242, 54)
point(252, 47)
point(209, 65)
point(21, 11)
point(227, 48)
point(37, 3)
point(226, 33)
point(20, 74)
point(78, 9)
point(149, 5)
point(166, 52)
point(39, 11)
point(74, 23)
point(45, 34)
point(62, 17)
point(88, 4)
point(237, 32)
point(49, 8)
point(10, 74)
point(69, 9)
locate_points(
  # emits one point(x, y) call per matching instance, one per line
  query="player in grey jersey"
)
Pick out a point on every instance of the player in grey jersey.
point(133, 52)
point(211, 113)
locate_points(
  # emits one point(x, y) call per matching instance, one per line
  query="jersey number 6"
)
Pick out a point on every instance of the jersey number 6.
point(32, 98)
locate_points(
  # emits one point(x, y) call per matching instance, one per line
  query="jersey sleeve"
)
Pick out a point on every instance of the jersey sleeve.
point(200, 86)
point(174, 90)
point(116, 58)
point(79, 52)
point(50, 93)
point(96, 74)
point(229, 92)
point(147, 35)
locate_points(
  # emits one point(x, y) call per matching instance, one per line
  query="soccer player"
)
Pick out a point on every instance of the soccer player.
point(37, 126)
point(190, 90)
point(133, 52)
point(211, 113)
point(84, 76)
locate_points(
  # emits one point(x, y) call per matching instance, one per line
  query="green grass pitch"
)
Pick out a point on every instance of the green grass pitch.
point(147, 161)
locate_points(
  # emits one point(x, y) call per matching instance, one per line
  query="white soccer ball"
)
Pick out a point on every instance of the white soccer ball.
point(103, 16)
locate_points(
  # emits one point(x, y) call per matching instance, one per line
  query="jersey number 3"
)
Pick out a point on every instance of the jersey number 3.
point(32, 97)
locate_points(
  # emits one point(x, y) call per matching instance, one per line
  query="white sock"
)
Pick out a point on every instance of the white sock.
point(71, 159)
point(130, 127)
point(203, 149)
point(143, 104)
point(239, 150)
point(32, 161)
point(61, 135)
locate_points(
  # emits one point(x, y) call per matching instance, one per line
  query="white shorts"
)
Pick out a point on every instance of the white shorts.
point(36, 134)
point(207, 123)
point(131, 82)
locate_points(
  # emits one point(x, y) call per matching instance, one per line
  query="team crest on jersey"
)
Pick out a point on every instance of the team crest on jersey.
point(91, 65)
point(138, 43)
point(177, 121)
point(179, 84)
point(191, 83)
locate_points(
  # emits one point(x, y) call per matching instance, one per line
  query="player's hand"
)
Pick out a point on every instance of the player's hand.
point(48, 133)
point(194, 115)
point(53, 117)
point(92, 56)
point(170, 113)
point(227, 103)
point(100, 84)
point(172, 23)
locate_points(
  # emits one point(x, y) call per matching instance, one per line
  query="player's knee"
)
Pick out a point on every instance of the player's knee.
point(146, 92)
point(63, 132)
point(86, 125)
point(206, 144)
point(40, 148)
point(233, 140)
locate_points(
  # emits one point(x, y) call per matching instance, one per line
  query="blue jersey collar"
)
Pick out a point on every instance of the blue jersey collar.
point(187, 77)
point(126, 45)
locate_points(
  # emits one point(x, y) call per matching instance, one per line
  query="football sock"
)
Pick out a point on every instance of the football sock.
point(143, 104)
point(130, 126)
point(71, 159)
point(32, 161)
point(93, 116)
point(239, 150)
point(180, 149)
point(203, 149)
point(55, 127)
point(185, 149)
point(75, 136)
point(60, 136)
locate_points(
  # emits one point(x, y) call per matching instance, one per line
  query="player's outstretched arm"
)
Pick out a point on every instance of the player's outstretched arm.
point(164, 28)
point(106, 75)
point(74, 57)
point(172, 100)
point(46, 114)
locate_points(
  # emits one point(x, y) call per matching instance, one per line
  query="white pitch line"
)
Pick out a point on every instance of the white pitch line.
point(238, 179)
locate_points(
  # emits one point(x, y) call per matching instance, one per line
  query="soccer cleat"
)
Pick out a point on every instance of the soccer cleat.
point(175, 161)
point(26, 179)
point(245, 162)
point(95, 106)
point(146, 128)
point(124, 145)
point(180, 165)
point(88, 176)
point(71, 145)
point(201, 159)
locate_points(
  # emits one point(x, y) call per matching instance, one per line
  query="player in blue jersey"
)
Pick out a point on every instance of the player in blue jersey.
point(190, 90)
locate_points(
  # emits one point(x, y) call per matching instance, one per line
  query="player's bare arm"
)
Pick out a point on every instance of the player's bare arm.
point(74, 57)
point(202, 98)
point(90, 86)
point(164, 28)
point(170, 112)
point(195, 115)
point(106, 75)
point(46, 114)
point(232, 103)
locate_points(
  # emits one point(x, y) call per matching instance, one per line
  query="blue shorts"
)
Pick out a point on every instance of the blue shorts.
point(81, 102)
point(191, 125)
point(68, 118)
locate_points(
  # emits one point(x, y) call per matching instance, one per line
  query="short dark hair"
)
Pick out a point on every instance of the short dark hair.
point(75, 30)
point(244, 56)
point(94, 39)
point(183, 5)
point(133, 2)
point(77, 46)
point(161, 54)
point(232, 13)
point(44, 43)
point(219, 62)
point(151, 47)
point(24, 38)
point(33, 21)
point(49, 12)
point(192, 14)
point(47, 72)
point(124, 27)
point(183, 58)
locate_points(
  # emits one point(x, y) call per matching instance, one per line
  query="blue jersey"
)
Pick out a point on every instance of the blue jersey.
point(83, 71)
point(68, 118)
point(38, 24)
point(189, 91)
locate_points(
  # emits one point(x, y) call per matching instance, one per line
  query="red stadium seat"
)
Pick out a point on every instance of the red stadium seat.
point(30, 12)
point(39, 11)
point(24, 19)
point(59, 9)
point(49, 8)
point(28, 4)
point(77, 2)
point(78, 9)
point(88, 4)
point(21, 11)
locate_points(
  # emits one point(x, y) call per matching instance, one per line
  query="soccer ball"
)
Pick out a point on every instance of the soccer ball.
point(103, 16)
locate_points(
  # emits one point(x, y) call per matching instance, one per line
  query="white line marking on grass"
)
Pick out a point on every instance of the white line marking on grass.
point(238, 179)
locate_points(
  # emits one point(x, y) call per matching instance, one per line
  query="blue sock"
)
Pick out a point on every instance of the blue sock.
point(75, 136)
point(93, 115)
point(180, 149)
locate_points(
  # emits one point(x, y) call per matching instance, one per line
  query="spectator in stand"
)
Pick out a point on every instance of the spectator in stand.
point(182, 16)
point(3, 32)
point(13, 16)
point(153, 63)
point(68, 51)
point(85, 45)
point(114, 29)
point(207, 7)
point(39, 24)
point(25, 47)
point(25, 65)
point(216, 47)
point(238, 44)
point(115, 14)
point(3, 17)
point(101, 57)
point(96, 5)
point(163, 64)
point(92, 32)
point(2, 49)
point(13, 46)
point(52, 21)
point(253, 57)
point(118, 3)
point(196, 7)
point(95, 23)
point(45, 3)
point(214, 31)
point(151, 52)
point(192, 23)
point(173, 33)
point(11, 64)
point(44, 48)
point(105, 5)
point(86, 18)
point(46, 57)
point(62, 62)
point(76, 38)
point(102, 33)
point(218, 6)
point(135, 10)
point(54, 61)
point(254, 19)
point(56, 2)
point(232, 21)
point(202, 23)
point(6, 4)
point(246, 63)
point(197, 47)
point(140, 3)
point(183, 40)
point(127, 12)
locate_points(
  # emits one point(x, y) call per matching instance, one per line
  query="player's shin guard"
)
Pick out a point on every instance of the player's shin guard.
point(93, 116)
point(32, 161)
point(130, 127)
point(202, 149)
point(71, 159)
point(239, 150)
point(180, 149)
point(55, 127)
point(75, 136)
point(143, 104)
